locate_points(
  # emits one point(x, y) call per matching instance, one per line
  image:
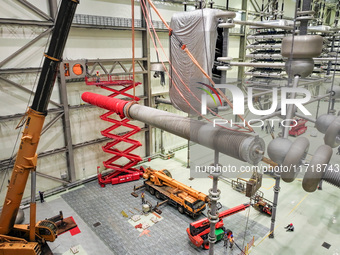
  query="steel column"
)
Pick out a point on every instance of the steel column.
point(53, 8)
point(66, 124)
point(147, 83)
point(243, 42)
point(214, 195)
point(276, 197)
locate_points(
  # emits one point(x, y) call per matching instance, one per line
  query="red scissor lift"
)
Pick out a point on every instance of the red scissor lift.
point(299, 129)
point(122, 172)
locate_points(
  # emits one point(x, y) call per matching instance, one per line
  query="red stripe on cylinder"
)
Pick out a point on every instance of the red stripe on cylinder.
point(112, 104)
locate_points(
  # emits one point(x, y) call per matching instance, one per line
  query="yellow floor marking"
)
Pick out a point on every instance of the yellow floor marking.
point(270, 186)
point(298, 203)
point(281, 223)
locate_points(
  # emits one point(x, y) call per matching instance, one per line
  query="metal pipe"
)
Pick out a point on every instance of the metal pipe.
point(265, 25)
point(276, 198)
point(305, 117)
point(162, 100)
point(269, 65)
point(316, 99)
point(291, 108)
point(214, 196)
point(242, 146)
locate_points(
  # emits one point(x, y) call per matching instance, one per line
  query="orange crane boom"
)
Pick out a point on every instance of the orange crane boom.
point(24, 239)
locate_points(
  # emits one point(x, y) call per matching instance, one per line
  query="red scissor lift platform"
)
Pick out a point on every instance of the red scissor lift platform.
point(122, 172)
point(299, 129)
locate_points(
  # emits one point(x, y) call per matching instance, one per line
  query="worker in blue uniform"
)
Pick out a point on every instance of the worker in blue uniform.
point(228, 238)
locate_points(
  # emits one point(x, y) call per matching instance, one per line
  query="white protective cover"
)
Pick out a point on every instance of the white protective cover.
point(198, 31)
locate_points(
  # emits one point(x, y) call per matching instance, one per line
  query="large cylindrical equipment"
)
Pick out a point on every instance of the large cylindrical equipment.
point(242, 146)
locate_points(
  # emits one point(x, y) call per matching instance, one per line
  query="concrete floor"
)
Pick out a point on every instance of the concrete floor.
point(316, 216)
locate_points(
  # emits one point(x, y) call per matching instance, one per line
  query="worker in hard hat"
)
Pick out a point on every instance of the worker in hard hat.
point(98, 76)
point(290, 227)
point(228, 238)
point(143, 198)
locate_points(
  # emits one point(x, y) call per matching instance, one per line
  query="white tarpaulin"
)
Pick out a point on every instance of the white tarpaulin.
point(198, 31)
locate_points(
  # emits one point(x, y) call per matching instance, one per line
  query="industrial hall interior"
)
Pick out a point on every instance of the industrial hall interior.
point(161, 127)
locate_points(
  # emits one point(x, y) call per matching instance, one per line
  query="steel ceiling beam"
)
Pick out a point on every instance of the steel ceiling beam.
point(20, 70)
point(23, 22)
point(51, 123)
point(47, 176)
point(27, 45)
point(255, 6)
point(35, 9)
point(45, 128)
point(26, 90)
point(146, 65)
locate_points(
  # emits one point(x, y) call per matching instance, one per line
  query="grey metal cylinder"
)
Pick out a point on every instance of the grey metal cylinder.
point(278, 149)
point(301, 67)
point(316, 168)
point(296, 153)
point(323, 122)
point(238, 145)
point(304, 46)
point(332, 135)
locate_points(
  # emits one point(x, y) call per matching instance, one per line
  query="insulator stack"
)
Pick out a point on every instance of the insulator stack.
point(332, 176)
